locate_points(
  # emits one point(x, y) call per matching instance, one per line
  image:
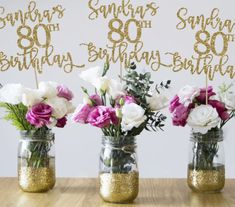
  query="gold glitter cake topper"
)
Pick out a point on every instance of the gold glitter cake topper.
point(208, 58)
point(28, 40)
point(123, 46)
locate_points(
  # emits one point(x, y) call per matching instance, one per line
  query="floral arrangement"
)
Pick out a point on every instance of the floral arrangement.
point(190, 107)
point(36, 112)
point(206, 113)
point(121, 112)
point(34, 109)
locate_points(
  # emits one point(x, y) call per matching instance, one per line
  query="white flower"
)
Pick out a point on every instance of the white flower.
point(11, 93)
point(31, 97)
point(94, 77)
point(228, 97)
point(157, 101)
point(91, 74)
point(187, 94)
point(115, 89)
point(53, 122)
point(70, 107)
point(48, 89)
point(101, 84)
point(59, 106)
point(203, 118)
point(132, 116)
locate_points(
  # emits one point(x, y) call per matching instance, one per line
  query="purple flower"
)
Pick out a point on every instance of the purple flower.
point(180, 115)
point(39, 115)
point(174, 103)
point(81, 113)
point(202, 97)
point(96, 99)
point(64, 92)
point(61, 122)
point(129, 99)
point(102, 116)
point(220, 108)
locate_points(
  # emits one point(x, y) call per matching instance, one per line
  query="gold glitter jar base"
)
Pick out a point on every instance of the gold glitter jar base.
point(119, 187)
point(36, 180)
point(206, 181)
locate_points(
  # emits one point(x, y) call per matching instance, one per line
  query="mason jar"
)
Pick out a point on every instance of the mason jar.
point(36, 161)
point(206, 169)
point(118, 169)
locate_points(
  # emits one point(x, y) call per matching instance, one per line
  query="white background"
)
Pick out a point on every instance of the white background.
point(163, 154)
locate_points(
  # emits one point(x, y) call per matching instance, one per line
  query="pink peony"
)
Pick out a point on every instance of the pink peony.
point(202, 97)
point(102, 116)
point(180, 115)
point(39, 115)
point(61, 122)
point(220, 108)
point(64, 92)
point(96, 99)
point(81, 113)
point(174, 103)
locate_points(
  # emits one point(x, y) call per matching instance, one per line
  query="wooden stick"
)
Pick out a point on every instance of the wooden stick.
point(36, 78)
point(121, 72)
point(206, 88)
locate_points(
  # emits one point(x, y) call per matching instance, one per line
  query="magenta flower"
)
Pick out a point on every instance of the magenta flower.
point(39, 115)
point(102, 116)
point(61, 122)
point(64, 92)
point(81, 113)
point(96, 99)
point(174, 103)
point(180, 115)
point(220, 108)
point(202, 97)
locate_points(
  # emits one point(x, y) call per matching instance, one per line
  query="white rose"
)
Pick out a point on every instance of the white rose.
point(203, 118)
point(11, 93)
point(132, 116)
point(228, 97)
point(157, 101)
point(31, 97)
point(70, 107)
point(48, 89)
point(187, 94)
point(59, 106)
point(115, 89)
point(91, 74)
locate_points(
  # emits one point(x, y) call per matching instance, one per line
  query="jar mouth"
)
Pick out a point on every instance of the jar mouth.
point(36, 135)
point(210, 136)
point(118, 141)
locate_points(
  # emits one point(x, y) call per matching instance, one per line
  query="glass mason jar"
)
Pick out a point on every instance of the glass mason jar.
point(206, 169)
point(119, 176)
point(36, 161)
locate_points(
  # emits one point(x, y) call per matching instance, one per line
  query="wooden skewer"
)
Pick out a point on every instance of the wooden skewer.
point(36, 78)
point(206, 88)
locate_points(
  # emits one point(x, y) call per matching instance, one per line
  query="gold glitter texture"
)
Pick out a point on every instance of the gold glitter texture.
point(119, 187)
point(36, 179)
point(206, 181)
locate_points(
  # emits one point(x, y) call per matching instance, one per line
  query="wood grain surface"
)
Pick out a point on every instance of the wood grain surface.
point(78, 192)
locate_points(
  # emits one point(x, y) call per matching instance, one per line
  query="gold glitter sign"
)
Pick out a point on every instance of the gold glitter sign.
point(35, 51)
point(211, 33)
point(124, 20)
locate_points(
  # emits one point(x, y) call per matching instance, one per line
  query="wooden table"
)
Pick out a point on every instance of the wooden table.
point(84, 193)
